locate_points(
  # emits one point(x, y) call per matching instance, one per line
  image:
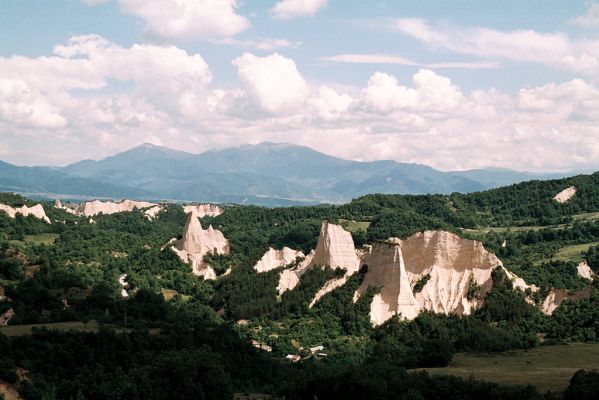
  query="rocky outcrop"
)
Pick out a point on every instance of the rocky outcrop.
point(6, 316)
point(458, 273)
point(60, 206)
point(202, 210)
point(152, 212)
point(197, 242)
point(335, 249)
point(277, 258)
point(565, 195)
point(91, 208)
point(124, 286)
point(557, 296)
point(584, 271)
point(36, 211)
point(8, 391)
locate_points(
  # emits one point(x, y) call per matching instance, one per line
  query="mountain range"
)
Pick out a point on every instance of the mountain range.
point(272, 174)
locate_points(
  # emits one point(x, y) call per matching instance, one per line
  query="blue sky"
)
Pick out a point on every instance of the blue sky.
point(455, 85)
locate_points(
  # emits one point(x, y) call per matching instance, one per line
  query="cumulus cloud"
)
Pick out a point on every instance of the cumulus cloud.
point(93, 97)
point(285, 9)
point(590, 19)
point(273, 82)
point(397, 60)
point(555, 50)
point(22, 105)
point(188, 19)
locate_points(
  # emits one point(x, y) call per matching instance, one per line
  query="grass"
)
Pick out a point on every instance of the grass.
point(570, 253)
point(354, 226)
point(546, 367)
point(20, 330)
point(168, 293)
point(42, 238)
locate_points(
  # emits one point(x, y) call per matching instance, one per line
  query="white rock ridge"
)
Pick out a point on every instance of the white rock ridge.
point(454, 267)
point(277, 258)
point(335, 248)
point(152, 212)
point(91, 208)
point(59, 205)
point(565, 195)
point(36, 211)
point(197, 242)
point(202, 210)
point(584, 271)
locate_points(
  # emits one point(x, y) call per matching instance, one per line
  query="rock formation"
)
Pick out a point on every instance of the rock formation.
point(557, 296)
point(6, 316)
point(335, 248)
point(202, 210)
point(124, 286)
point(565, 194)
point(91, 208)
point(36, 211)
point(8, 391)
point(60, 206)
point(454, 267)
point(277, 258)
point(584, 271)
point(197, 242)
point(152, 212)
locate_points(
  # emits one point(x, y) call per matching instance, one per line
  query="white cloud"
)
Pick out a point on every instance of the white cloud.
point(285, 9)
point(397, 60)
point(329, 104)
point(266, 44)
point(24, 106)
point(94, 2)
point(273, 82)
point(92, 98)
point(431, 93)
point(188, 19)
point(556, 50)
point(590, 19)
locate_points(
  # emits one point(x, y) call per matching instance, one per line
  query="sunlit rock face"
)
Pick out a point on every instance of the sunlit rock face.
point(584, 271)
point(454, 266)
point(556, 297)
point(91, 208)
point(197, 242)
point(277, 258)
point(202, 210)
point(565, 194)
point(335, 249)
point(36, 211)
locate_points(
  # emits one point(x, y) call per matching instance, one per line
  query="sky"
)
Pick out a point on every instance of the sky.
point(454, 85)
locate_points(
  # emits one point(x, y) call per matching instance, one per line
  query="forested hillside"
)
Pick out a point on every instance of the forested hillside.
point(179, 336)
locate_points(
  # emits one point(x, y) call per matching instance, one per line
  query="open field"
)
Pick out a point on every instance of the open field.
point(42, 238)
point(547, 367)
point(20, 330)
point(353, 226)
point(570, 253)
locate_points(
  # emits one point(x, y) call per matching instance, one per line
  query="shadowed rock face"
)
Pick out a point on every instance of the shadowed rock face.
point(197, 242)
point(202, 210)
point(453, 266)
point(557, 296)
point(277, 258)
point(565, 195)
point(36, 211)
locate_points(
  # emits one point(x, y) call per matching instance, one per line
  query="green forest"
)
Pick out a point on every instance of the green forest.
point(178, 336)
